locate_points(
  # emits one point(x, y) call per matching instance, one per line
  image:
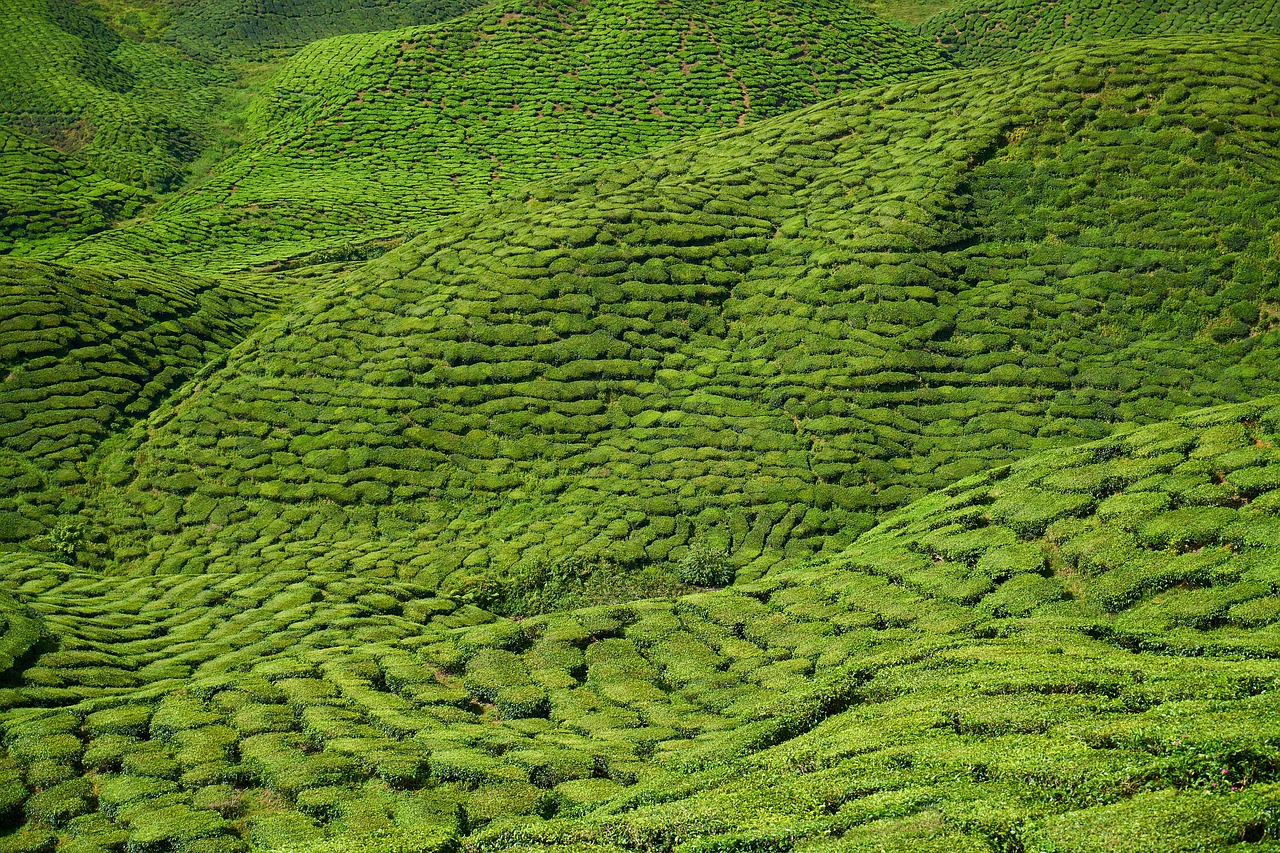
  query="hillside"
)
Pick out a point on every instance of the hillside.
point(47, 197)
point(763, 340)
point(145, 93)
point(133, 111)
point(639, 426)
point(374, 134)
point(1055, 655)
point(989, 32)
point(247, 29)
point(85, 353)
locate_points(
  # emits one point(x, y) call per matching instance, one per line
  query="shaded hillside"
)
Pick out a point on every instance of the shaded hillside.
point(1073, 650)
point(97, 94)
point(365, 135)
point(85, 353)
point(763, 340)
point(987, 32)
point(135, 112)
point(49, 197)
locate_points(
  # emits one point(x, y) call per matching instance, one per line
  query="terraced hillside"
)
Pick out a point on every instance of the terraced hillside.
point(87, 352)
point(990, 32)
point(763, 341)
point(371, 134)
point(133, 111)
point(140, 93)
point(250, 28)
point(47, 197)
point(622, 426)
point(1057, 655)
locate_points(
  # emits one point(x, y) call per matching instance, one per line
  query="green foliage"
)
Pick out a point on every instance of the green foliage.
point(837, 482)
point(372, 134)
point(237, 27)
point(1088, 698)
point(983, 32)
point(59, 804)
point(529, 408)
point(705, 565)
point(65, 538)
point(135, 113)
point(86, 352)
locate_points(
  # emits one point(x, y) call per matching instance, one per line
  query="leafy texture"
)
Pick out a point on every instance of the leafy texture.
point(694, 427)
point(987, 32)
point(769, 337)
point(373, 133)
point(1014, 660)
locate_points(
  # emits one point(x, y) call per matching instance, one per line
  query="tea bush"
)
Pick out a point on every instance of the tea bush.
point(86, 352)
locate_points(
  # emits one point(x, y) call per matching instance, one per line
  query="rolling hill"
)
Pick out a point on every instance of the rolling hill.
point(133, 111)
point(146, 94)
point(614, 426)
point(765, 339)
point(990, 32)
point(47, 197)
point(374, 134)
point(248, 29)
point(86, 352)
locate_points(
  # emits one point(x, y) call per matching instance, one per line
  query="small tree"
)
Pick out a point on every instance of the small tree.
point(66, 537)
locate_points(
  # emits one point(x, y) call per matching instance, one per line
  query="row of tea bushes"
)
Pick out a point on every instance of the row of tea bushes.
point(47, 197)
point(966, 671)
point(86, 352)
point(216, 30)
point(988, 32)
point(133, 111)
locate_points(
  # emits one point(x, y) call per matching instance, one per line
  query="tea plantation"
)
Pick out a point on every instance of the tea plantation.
point(133, 111)
point(216, 29)
point(613, 426)
point(764, 340)
point(984, 32)
point(1054, 655)
point(87, 352)
point(372, 134)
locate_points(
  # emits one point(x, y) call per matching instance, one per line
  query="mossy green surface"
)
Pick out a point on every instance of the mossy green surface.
point(538, 433)
point(366, 135)
point(991, 32)
point(85, 352)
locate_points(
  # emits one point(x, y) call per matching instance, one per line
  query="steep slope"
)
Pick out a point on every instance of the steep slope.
point(986, 32)
point(86, 352)
point(1056, 655)
point(365, 135)
point(763, 340)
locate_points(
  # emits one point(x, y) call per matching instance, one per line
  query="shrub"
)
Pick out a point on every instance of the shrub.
point(705, 565)
point(66, 538)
